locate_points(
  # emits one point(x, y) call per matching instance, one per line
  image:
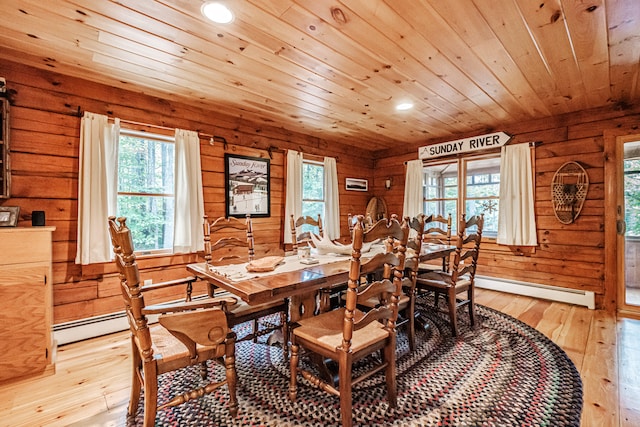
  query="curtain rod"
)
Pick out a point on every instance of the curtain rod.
point(201, 135)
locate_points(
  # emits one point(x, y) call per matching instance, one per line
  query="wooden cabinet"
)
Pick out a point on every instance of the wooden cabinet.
point(5, 172)
point(26, 317)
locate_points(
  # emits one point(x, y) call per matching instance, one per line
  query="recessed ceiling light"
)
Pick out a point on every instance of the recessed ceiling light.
point(217, 12)
point(404, 106)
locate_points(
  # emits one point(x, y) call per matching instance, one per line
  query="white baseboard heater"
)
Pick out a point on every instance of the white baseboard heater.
point(92, 327)
point(553, 293)
point(78, 330)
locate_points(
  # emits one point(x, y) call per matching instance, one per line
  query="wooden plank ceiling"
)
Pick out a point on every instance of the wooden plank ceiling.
point(337, 69)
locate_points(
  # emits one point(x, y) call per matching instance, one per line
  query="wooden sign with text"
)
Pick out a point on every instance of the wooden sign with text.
point(475, 143)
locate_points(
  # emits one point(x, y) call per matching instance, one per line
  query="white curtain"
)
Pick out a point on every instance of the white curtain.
point(293, 202)
point(331, 217)
point(188, 235)
point(413, 190)
point(516, 217)
point(97, 187)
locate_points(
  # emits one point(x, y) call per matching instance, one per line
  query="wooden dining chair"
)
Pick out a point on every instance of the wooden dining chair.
point(462, 274)
point(407, 302)
point(347, 335)
point(351, 221)
point(299, 233)
point(407, 299)
point(234, 243)
point(187, 334)
point(237, 245)
point(438, 231)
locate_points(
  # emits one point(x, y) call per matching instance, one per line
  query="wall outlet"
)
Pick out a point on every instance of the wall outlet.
point(148, 282)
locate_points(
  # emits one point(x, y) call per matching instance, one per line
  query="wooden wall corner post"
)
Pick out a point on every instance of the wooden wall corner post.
point(613, 194)
point(611, 183)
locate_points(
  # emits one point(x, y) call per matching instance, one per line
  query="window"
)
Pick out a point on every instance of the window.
point(444, 191)
point(312, 190)
point(483, 192)
point(441, 190)
point(146, 189)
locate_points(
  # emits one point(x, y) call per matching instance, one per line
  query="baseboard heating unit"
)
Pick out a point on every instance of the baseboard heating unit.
point(92, 327)
point(553, 293)
point(78, 330)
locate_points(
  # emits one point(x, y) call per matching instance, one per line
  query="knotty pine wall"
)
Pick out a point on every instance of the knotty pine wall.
point(569, 255)
point(45, 127)
point(45, 130)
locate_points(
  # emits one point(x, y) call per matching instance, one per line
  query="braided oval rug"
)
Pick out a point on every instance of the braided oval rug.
point(501, 373)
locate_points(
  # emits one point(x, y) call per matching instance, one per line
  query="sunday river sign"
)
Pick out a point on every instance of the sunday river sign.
point(475, 143)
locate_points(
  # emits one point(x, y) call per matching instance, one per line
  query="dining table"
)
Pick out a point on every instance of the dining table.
point(293, 276)
point(306, 287)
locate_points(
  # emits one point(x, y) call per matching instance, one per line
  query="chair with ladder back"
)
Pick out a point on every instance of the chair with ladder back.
point(188, 334)
point(461, 276)
point(300, 233)
point(234, 243)
point(347, 335)
point(437, 231)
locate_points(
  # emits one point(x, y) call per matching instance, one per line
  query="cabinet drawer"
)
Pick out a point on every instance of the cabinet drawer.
point(24, 244)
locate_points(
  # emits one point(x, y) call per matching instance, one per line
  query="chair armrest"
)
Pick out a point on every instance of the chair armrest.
point(168, 284)
point(204, 327)
point(189, 306)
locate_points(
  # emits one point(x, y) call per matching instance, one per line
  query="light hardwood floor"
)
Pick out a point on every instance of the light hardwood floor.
point(91, 385)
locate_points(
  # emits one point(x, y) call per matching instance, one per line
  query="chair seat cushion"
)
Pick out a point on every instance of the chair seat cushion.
point(171, 354)
point(326, 330)
point(422, 282)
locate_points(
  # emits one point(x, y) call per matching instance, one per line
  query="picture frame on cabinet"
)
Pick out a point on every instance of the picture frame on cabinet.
point(9, 216)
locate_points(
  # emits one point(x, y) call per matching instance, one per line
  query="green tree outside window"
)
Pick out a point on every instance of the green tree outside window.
point(146, 190)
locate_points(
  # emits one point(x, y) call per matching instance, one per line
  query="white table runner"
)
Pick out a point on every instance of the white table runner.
point(238, 272)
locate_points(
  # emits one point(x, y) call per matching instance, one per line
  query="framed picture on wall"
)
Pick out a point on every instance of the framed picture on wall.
point(356, 184)
point(247, 186)
point(9, 216)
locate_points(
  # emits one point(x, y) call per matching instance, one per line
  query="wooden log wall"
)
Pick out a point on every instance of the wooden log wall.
point(45, 124)
point(569, 255)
